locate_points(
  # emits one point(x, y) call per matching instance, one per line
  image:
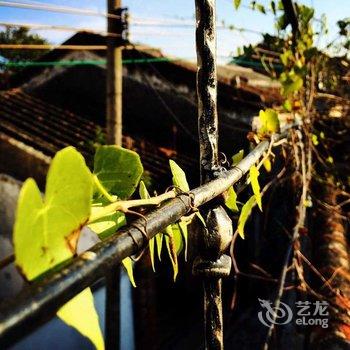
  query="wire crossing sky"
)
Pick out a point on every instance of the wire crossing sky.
point(167, 24)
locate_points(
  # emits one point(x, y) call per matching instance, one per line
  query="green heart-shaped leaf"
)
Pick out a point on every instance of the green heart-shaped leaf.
point(118, 169)
point(46, 230)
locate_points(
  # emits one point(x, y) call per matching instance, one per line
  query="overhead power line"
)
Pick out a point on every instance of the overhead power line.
point(51, 47)
point(59, 9)
point(158, 22)
point(38, 26)
point(160, 33)
point(220, 26)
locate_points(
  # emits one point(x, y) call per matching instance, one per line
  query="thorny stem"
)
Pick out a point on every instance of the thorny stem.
point(124, 206)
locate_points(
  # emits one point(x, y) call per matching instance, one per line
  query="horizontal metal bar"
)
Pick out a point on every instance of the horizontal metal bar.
point(39, 302)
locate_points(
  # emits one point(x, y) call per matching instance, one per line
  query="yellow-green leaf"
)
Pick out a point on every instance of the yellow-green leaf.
point(236, 158)
point(330, 160)
point(269, 123)
point(179, 177)
point(287, 105)
point(267, 165)
point(46, 230)
point(245, 213)
point(107, 225)
point(128, 264)
point(180, 229)
point(291, 82)
point(143, 192)
point(118, 169)
point(159, 243)
point(179, 236)
point(184, 233)
point(237, 3)
point(170, 244)
point(80, 313)
point(261, 8)
point(151, 252)
point(286, 56)
point(253, 175)
point(231, 200)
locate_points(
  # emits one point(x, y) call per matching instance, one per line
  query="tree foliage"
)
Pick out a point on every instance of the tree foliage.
point(20, 35)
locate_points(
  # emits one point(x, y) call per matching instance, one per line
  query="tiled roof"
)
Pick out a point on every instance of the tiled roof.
point(254, 87)
point(48, 129)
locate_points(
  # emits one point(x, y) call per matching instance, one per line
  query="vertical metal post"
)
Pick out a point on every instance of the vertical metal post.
point(114, 75)
point(215, 238)
point(207, 87)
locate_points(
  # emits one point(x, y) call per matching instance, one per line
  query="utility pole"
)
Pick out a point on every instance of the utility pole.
point(116, 38)
point(114, 72)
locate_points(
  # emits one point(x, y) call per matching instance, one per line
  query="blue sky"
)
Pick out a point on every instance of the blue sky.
point(173, 41)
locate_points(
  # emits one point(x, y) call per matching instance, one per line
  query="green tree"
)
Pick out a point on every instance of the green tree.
point(20, 35)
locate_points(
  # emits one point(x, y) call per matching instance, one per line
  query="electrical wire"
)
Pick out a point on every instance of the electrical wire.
point(51, 47)
point(160, 33)
point(57, 9)
point(220, 26)
point(154, 22)
point(38, 26)
point(175, 23)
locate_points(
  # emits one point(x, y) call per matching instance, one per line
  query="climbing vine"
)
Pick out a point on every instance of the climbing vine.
point(305, 72)
point(48, 228)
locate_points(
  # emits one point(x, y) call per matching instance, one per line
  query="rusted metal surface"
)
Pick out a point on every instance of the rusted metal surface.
point(215, 238)
point(207, 87)
point(213, 312)
point(212, 265)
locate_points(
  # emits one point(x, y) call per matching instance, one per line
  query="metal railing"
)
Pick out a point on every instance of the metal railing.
point(40, 301)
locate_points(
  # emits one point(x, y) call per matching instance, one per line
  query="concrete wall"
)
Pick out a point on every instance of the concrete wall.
point(22, 161)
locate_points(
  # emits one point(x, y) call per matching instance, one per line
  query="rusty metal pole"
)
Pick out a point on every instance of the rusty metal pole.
point(215, 238)
point(114, 74)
